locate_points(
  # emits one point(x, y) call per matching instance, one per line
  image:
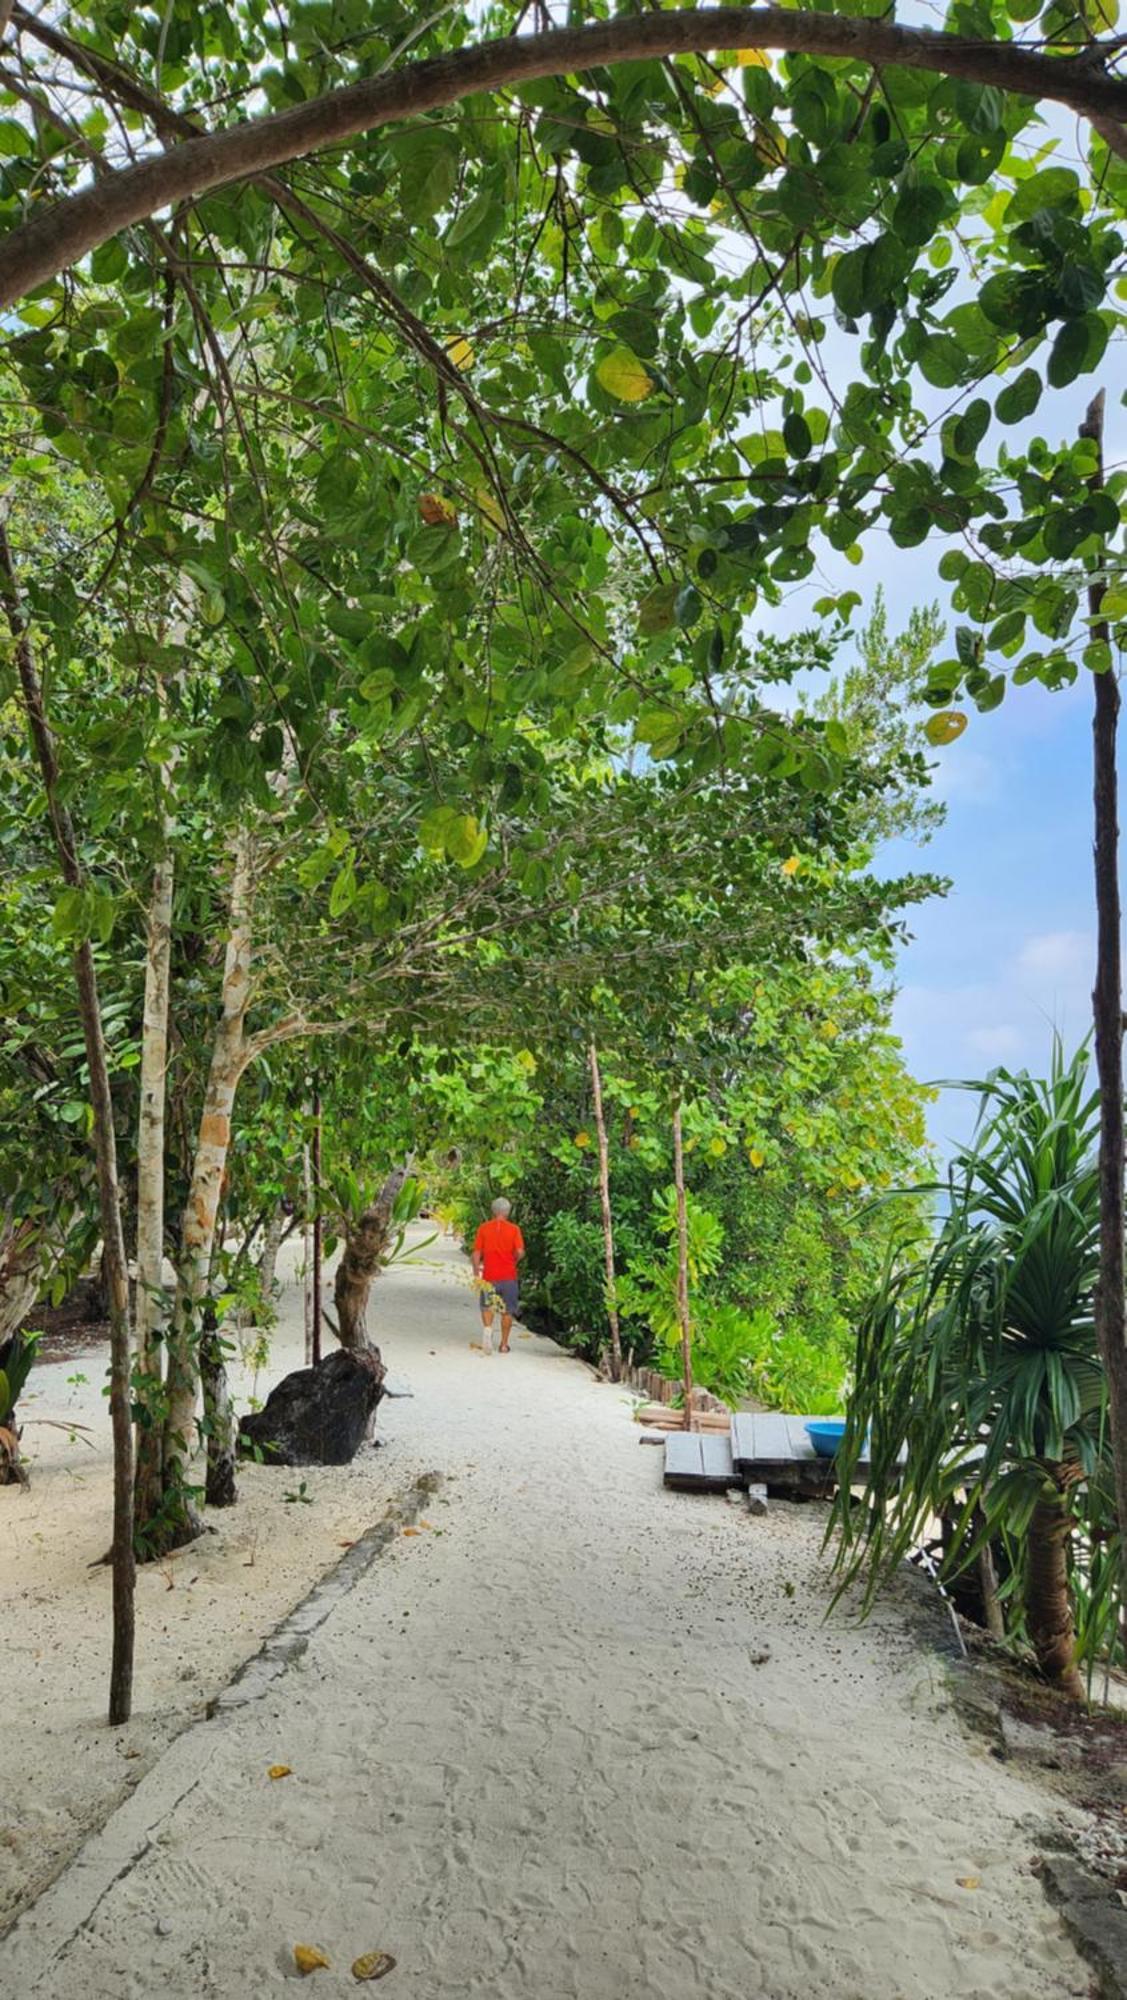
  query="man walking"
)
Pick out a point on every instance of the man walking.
point(497, 1251)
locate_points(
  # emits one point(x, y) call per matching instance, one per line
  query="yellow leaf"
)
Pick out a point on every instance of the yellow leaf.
point(622, 375)
point(968, 1881)
point(755, 1156)
point(461, 354)
point(279, 1771)
point(307, 1958)
point(490, 507)
point(791, 867)
point(582, 1139)
point(945, 727)
point(829, 1030)
point(410, 1531)
point(717, 1148)
point(437, 512)
point(373, 1965)
point(752, 59)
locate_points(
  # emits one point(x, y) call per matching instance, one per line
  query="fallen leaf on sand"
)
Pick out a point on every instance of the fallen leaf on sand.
point(307, 1958)
point(410, 1531)
point(373, 1965)
point(279, 1770)
point(968, 1881)
point(426, 1524)
point(346, 1545)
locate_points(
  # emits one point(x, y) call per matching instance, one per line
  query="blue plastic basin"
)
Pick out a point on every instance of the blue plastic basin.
point(826, 1437)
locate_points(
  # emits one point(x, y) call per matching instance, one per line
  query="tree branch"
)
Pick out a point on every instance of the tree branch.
point(50, 243)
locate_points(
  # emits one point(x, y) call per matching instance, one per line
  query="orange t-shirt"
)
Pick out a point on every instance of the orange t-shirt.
point(497, 1244)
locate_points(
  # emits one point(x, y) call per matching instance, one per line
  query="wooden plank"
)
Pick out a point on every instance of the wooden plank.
point(716, 1458)
point(695, 1460)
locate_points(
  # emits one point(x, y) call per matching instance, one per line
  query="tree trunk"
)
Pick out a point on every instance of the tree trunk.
point(1107, 1009)
point(1048, 1599)
point(268, 1259)
point(105, 1153)
point(365, 1246)
point(608, 1222)
point(22, 1273)
point(683, 1267)
point(151, 1305)
point(228, 1060)
point(219, 1418)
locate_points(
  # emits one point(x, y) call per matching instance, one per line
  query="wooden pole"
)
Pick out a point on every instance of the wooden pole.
point(1107, 1010)
point(105, 1154)
point(608, 1223)
point(307, 1248)
point(683, 1267)
point(318, 1224)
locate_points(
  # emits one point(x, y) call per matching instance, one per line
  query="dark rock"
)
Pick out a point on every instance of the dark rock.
point(318, 1416)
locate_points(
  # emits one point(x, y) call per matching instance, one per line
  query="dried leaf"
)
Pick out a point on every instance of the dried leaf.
point(373, 1965)
point(490, 507)
point(307, 1959)
point(968, 1881)
point(461, 354)
point(436, 512)
point(410, 1531)
point(279, 1771)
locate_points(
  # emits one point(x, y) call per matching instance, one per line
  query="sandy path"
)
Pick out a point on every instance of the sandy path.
point(538, 1751)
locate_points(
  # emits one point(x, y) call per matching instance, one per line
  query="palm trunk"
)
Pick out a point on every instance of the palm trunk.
point(365, 1246)
point(1048, 1597)
point(608, 1221)
point(150, 1198)
point(1107, 1008)
point(105, 1153)
point(228, 1060)
point(683, 1267)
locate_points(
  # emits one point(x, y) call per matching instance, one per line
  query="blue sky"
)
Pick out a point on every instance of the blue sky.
point(1008, 955)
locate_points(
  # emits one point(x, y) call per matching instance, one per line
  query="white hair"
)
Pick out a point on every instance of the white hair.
point(501, 1206)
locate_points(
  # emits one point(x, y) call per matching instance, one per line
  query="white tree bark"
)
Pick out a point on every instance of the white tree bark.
point(229, 1057)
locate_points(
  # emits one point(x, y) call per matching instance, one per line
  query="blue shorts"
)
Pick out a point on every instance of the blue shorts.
point(503, 1292)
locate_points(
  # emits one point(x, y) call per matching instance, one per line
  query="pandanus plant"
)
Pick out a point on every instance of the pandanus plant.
point(977, 1356)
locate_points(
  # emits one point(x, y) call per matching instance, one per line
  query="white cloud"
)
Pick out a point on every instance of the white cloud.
point(1002, 1044)
point(1059, 956)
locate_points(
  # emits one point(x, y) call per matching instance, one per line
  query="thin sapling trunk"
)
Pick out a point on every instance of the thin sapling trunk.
point(105, 1153)
point(683, 1267)
point(608, 1221)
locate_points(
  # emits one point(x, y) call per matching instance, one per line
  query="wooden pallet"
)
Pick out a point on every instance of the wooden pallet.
point(699, 1461)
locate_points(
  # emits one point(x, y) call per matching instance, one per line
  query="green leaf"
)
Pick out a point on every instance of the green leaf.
point(428, 158)
point(1077, 349)
point(343, 892)
point(15, 140)
point(919, 210)
point(657, 612)
point(1019, 398)
point(688, 606)
point(796, 435)
point(466, 840)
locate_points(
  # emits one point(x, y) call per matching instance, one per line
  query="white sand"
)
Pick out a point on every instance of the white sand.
point(539, 1750)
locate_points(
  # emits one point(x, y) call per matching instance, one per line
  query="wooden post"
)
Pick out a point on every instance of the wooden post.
point(1107, 1009)
point(318, 1224)
point(683, 1268)
point(105, 1154)
point(608, 1224)
point(307, 1249)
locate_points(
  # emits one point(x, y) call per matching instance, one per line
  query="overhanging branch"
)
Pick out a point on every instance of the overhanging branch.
point(50, 243)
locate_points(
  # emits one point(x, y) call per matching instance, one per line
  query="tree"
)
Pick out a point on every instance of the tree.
point(979, 1356)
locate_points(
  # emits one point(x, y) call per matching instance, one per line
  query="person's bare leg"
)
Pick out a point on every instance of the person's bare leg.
point(506, 1329)
point(487, 1330)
